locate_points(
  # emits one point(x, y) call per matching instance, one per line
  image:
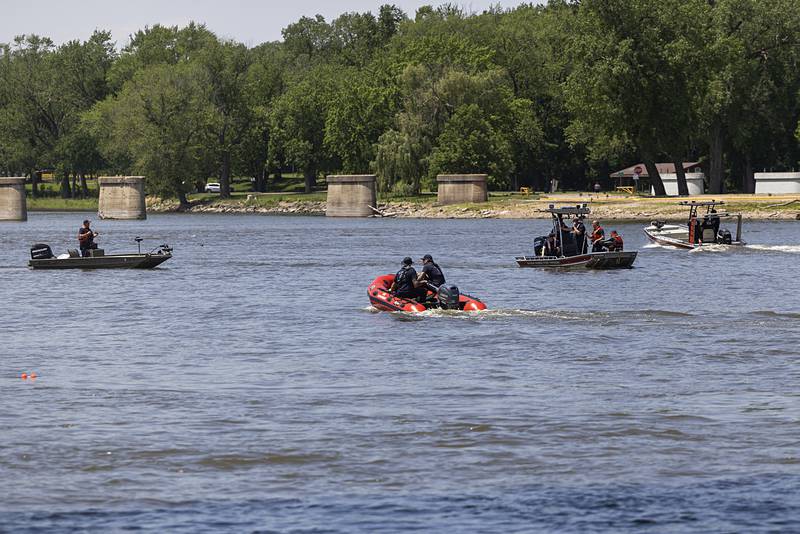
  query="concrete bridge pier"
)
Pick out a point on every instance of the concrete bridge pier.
point(461, 188)
point(13, 206)
point(351, 195)
point(121, 197)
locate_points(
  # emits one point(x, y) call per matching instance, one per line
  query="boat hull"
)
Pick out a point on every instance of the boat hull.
point(676, 236)
point(114, 261)
point(382, 299)
point(592, 260)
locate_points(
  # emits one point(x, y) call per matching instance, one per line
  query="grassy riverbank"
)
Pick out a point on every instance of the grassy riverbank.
point(500, 205)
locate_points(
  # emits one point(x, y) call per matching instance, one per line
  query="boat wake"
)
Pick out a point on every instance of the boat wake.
point(628, 316)
point(711, 248)
point(791, 249)
point(488, 314)
point(776, 314)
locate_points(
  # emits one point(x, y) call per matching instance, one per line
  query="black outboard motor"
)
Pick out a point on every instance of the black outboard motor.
point(449, 297)
point(40, 251)
point(724, 237)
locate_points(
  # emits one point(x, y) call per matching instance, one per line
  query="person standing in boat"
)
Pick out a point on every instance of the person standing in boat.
point(86, 238)
point(710, 221)
point(405, 283)
point(579, 232)
point(598, 235)
point(431, 275)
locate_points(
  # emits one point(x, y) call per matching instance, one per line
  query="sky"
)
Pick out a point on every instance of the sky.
point(249, 21)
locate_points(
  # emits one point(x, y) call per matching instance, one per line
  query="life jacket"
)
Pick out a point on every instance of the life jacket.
point(693, 230)
point(597, 233)
point(617, 240)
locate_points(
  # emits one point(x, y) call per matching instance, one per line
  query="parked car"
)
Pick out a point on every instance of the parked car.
point(212, 187)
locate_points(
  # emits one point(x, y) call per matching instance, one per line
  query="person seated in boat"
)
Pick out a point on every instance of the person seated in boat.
point(550, 247)
point(431, 275)
point(579, 234)
point(86, 238)
point(597, 237)
point(614, 243)
point(405, 283)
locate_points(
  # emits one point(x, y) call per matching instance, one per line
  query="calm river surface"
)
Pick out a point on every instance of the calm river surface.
point(247, 386)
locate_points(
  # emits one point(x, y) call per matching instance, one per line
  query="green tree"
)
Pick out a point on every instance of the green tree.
point(159, 45)
point(161, 121)
point(33, 113)
point(623, 92)
point(227, 65)
point(470, 144)
point(360, 111)
point(298, 124)
point(264, 82)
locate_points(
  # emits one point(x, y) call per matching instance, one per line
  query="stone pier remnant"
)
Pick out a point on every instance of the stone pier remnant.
point(462, 188)
point(121, 197)
point(351, 195)
point(12, 199)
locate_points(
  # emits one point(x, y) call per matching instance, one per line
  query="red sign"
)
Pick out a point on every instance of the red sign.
point(638, 169)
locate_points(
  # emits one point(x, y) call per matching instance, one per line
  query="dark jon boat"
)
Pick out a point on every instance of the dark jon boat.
point(571, 255)
point(702, 228)
point(42, 258)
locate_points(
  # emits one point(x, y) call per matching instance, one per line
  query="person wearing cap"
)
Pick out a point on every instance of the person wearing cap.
point(86, 238)
point(405, 283)
point(431, 275)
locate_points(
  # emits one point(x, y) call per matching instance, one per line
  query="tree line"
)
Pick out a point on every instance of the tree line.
point(567, 90)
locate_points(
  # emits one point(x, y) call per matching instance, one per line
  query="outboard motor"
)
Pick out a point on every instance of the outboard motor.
point(724, 237)
point(40, 251)
point(448, 297)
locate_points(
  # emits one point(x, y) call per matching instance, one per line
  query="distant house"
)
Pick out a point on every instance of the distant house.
point(636, 176)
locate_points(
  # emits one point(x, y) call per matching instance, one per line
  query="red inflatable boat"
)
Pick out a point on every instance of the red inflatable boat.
point(448, 298)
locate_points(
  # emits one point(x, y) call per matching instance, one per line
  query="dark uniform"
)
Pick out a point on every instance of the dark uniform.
point(579, 231)
point(404, 282)
point(434, 274)
point(86, 240)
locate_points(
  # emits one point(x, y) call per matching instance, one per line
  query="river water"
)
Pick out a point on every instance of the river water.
point(246, 385)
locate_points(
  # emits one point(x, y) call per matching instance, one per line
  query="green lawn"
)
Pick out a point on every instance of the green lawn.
point(61, 204)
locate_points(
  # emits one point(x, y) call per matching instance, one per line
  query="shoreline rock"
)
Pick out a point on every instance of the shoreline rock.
point(643, 210)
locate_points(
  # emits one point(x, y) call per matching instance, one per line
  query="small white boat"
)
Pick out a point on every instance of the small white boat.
point(699, 230)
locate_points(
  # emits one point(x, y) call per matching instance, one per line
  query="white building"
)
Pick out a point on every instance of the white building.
point(695, 182)
point(777, 183)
